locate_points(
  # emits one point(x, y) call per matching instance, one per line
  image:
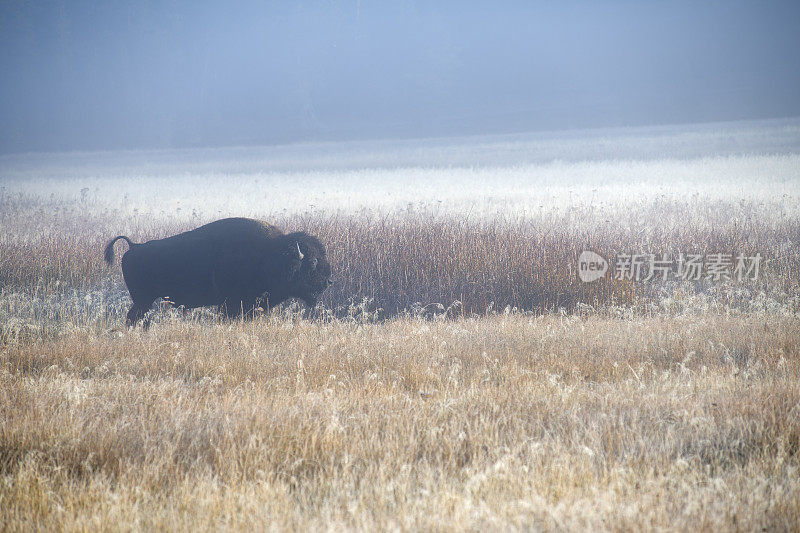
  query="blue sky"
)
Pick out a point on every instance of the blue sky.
point(107, 75)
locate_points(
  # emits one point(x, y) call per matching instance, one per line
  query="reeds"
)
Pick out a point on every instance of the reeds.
point(399, 259)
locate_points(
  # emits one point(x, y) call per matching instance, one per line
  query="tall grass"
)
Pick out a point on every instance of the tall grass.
point(419, 256)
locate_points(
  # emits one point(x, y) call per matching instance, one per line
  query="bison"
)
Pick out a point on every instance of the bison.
point(237, 264)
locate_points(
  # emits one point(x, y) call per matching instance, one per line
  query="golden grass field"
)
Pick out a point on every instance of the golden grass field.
point(500, 422)
point(533, 402)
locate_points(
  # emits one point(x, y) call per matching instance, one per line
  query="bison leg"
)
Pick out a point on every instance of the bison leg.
point(136, 313)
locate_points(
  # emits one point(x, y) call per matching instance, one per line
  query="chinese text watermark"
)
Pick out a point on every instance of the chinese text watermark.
point(688, 267)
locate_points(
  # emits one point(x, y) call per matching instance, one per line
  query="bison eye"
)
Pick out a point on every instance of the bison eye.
point(314, 263)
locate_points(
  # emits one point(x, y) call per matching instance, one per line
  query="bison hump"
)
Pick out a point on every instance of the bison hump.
point(238, 228)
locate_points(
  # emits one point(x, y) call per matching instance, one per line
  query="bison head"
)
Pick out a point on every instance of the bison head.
point(309, 272)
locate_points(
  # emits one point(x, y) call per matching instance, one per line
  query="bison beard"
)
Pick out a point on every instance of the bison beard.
point(237, 264)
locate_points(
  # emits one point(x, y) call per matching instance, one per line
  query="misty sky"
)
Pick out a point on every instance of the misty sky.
point(103, 75)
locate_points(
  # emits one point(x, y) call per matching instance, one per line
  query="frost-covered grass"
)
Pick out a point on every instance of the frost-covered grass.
point(496, 221)
point(527, 400)
point(477, 176)
point(398, 259)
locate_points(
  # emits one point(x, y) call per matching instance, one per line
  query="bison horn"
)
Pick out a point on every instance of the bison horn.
point(299, 253)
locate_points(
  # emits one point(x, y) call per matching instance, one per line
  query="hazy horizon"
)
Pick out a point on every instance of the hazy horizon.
point(84, 76)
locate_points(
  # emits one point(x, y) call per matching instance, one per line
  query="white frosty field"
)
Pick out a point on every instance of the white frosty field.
point(534, 401)
point(519, 174)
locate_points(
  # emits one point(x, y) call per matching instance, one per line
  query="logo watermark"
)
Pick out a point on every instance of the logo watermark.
point(689, 267)
point(591, 266)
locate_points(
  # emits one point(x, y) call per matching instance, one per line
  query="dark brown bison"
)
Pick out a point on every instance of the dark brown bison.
point(234, 263)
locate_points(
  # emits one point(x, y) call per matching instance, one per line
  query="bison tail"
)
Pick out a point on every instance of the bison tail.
point(109, 253)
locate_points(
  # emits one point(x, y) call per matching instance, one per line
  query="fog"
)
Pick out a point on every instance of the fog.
point(97, 75)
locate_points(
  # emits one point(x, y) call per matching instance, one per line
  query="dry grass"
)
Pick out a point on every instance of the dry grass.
point(506, 421)
point(398, 259)
point(539, 402)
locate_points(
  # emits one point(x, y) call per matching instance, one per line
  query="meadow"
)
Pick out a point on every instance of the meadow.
point(458, 374)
